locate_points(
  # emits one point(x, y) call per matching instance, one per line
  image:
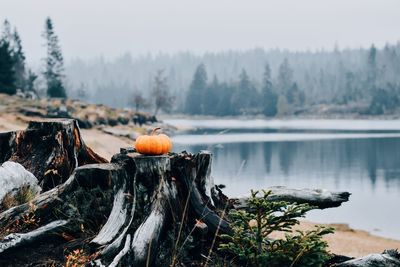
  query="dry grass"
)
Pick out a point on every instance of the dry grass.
point(27, 222)
point(8, 201)
point(78, 257)
point(23, 195)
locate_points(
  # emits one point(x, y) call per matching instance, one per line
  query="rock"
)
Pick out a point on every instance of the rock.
point(112, 122)
point(88, 115)
point(84, 124)
point(27, 94)
point(32, 112)
point(58, 112)
point(13, 176)
point(101, 121)
point(123, 120)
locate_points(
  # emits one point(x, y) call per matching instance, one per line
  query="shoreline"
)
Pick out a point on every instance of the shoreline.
point(339, 125)
point(352, 242)
point(345, 240)
point(285, 117)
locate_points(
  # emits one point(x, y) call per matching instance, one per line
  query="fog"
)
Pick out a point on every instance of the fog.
point(91, 28)
point(295, 93)
point(260, 57)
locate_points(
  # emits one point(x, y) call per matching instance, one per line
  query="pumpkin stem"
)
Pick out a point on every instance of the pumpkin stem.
point(155, 130)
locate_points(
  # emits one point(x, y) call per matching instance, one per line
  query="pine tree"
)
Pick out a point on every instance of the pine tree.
point(7, 78)
point(30, 81)
point(18, 57)
point(269, 97)
point(7, 33)
point(372, 69)
point(285, 76)
point(224, 106)
point(294, 96)
point(211, 97)
point(7, 73)
point(350, 90)
point(54, 72)
point(245, 98)
point(282, 105)
point(19, 62)
point(194, 98)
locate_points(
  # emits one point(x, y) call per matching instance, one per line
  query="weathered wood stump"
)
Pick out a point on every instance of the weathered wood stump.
point(134, 211)
point(50, 150)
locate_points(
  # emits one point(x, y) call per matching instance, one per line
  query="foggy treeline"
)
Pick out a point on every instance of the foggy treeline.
point(269, 82)
point(258, 81)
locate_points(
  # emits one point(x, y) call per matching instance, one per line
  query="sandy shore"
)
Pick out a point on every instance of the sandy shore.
point(353, 243)
point(104, 144)
point(344, 241)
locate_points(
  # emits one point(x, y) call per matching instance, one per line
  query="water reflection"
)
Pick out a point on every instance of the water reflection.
point(367, 167)
point(334, 159)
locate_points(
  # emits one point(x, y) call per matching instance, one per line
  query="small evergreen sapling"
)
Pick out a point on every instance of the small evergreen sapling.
point(251, 242)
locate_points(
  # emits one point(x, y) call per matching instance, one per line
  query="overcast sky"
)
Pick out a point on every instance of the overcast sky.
point(89, 28)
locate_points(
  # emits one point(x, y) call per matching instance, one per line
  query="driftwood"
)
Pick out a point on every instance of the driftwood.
point(389, 258)
point(318, 198)
point(16, 240)
point(134, 211)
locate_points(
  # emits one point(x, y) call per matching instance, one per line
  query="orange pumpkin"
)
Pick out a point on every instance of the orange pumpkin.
point(153, 144)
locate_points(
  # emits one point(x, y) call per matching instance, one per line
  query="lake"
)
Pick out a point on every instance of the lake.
point(359, 156)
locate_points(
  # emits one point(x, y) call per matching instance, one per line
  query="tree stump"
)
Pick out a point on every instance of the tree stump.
point(51, 150)
point(134, 211)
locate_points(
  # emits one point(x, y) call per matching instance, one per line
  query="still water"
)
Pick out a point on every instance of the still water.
point(359, 156)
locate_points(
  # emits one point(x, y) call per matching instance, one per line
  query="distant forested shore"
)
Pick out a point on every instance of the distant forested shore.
point(273, 83)
point(342, 82)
